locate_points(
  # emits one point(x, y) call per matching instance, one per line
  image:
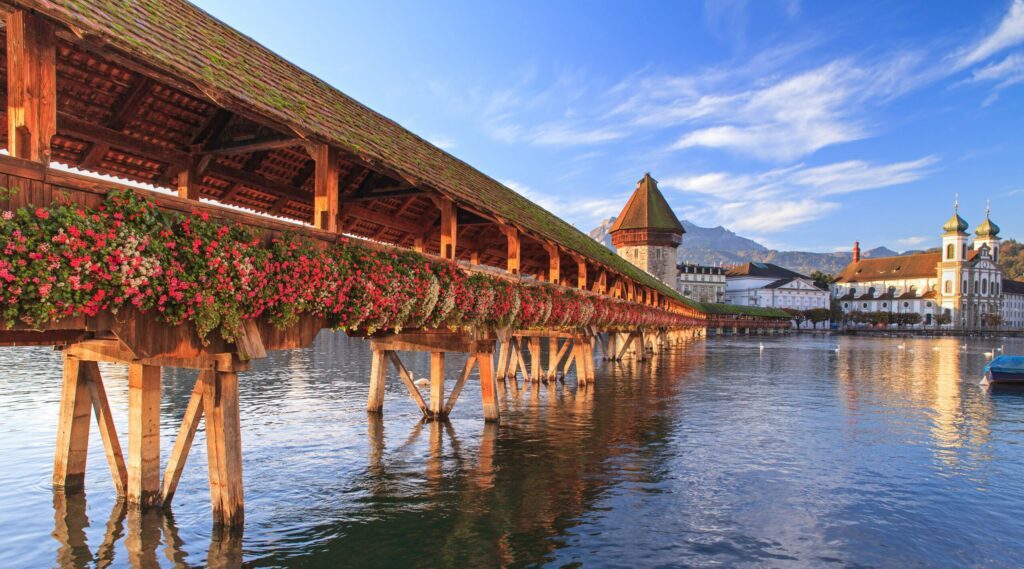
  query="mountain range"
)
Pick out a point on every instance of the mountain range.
point(719, 246)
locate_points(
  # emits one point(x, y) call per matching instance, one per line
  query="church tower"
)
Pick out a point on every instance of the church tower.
point(953, 284)
point(647, 232)
point(988, 234)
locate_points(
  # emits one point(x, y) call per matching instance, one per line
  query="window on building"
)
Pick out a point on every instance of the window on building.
point(950, 251)
point(984, 286)
point(949, 287)
point(965, 251)
point(885, 305)
point(906, 304)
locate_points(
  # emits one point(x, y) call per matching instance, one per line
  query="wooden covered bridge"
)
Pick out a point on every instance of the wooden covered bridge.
point(396, 240)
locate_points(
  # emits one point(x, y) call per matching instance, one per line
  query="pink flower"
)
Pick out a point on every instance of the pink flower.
point(42, 213)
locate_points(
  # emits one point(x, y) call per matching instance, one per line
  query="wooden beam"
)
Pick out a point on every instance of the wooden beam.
point(406, 377)
point(274, 142)
point(224, 447)
point(378, 375)
point(325, 188)
point(581, 273)
point(96, 133)
point(130, 103)
point(143, 435)
point(105, 423)
point(72, 429)
point(449, 228)
point(514, 251)
point(436, 384)
point(188, 182)
point(373, 216)
point(183, 442)
point(31, 86)
point(488, 388)
point(457, 390)
point(554, 262)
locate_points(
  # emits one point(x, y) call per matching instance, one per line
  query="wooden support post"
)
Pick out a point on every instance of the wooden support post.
point(406, 377)
point(325, 188)
point(581, 273)
point(535, 360)
point(31, 86)
point(457, 390)
point(378, 375)
point(474, 257)
point(503, 358)
point(554, 262)
point(552, 362)
point(188, 181)
point(449, 228)
point(105, 422)
point(143, 435)
point(512, 236)
point(417, 244)
point(488, 388)
point(224, 447)
point(72, 430)
point(436, 385)
point(581, 365)
point(183, 442)
point(521, 364)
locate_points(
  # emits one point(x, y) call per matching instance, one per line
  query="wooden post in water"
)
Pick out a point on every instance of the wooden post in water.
point(143, 435)
point(378, 374)
point(436, 385)
point(72, 430)
point(224, 447)
point(488, 387)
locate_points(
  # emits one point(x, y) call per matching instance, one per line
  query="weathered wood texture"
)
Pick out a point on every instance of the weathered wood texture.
point(143, 435)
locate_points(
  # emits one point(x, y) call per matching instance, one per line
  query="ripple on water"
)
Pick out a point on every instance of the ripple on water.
point(719, 453)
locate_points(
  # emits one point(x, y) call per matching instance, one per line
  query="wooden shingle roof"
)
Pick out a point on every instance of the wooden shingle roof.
point(647, 209)
point(216, 63)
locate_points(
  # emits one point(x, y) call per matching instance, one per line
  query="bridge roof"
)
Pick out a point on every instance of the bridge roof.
point(180, 41)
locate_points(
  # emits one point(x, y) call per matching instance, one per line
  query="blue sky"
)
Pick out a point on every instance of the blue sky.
point(805, 125)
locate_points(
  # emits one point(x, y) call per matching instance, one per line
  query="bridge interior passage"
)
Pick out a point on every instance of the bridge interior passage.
point(160, 93)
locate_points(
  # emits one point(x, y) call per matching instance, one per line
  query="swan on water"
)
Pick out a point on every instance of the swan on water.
point(422, 382)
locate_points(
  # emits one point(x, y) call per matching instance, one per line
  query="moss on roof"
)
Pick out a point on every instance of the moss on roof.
point(189, 45)
point(647, 209)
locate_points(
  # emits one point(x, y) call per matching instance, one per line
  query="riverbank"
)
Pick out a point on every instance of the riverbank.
point(980, 334)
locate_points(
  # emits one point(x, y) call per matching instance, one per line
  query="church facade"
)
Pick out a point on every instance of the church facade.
point(959, 286)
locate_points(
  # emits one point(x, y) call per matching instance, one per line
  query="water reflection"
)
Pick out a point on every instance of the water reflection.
point(716, 453)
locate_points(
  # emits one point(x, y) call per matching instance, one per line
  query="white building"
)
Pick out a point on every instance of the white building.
point(771, 286)
point(1013, 304)
point(701, 283)
point(961, 281)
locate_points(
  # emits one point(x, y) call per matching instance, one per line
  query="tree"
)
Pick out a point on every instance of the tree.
point(816, 315)
point(991, 320)
point(1011, 259)
point(942, 319)
point(822, 280)
point(798, 316)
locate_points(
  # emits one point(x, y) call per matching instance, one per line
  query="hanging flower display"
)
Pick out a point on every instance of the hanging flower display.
point(65, 260)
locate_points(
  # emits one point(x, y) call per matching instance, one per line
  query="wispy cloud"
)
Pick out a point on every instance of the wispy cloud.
point(1009, 33)
point(442, 142)
point(781, 198)
point(1009, 71)
point(911, 242)
point(581, 211)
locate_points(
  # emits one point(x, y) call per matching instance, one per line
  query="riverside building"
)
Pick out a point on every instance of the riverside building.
point(959, 286)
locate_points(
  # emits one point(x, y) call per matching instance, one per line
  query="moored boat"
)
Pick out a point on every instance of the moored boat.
point(1005, 370)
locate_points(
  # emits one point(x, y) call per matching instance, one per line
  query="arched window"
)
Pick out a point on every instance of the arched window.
point(950, 251)
point(906, 304)
point(892, 290)
point(853, 291)
point(965, 251)
point(984, 286)
point(949, 287)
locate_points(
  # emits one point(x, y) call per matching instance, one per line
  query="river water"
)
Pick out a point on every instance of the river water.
point(719, 453)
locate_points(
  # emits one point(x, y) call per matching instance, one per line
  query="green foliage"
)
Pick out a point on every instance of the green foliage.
point(1011, 259)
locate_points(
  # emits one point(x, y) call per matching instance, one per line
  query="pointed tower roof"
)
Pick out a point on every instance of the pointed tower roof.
point(956, 224)
point(647, 209)
point(987, 229)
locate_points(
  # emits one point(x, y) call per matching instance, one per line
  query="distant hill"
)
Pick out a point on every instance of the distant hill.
point(719, 246)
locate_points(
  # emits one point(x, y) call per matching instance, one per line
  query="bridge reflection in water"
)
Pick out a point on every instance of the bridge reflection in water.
point(450, 491)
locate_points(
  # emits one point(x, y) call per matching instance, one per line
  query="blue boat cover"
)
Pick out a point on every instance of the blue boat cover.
point(1006, 364)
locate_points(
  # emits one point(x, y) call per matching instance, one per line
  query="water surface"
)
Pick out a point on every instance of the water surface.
point(718, 453)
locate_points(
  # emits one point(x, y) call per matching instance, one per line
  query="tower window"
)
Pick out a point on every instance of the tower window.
point(950, 251)
point(949, 287)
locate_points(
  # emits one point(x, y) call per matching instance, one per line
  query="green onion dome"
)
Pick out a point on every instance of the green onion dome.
point(987, 228)
point(956, 224)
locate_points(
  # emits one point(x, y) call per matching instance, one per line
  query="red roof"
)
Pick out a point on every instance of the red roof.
point(921, 265)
